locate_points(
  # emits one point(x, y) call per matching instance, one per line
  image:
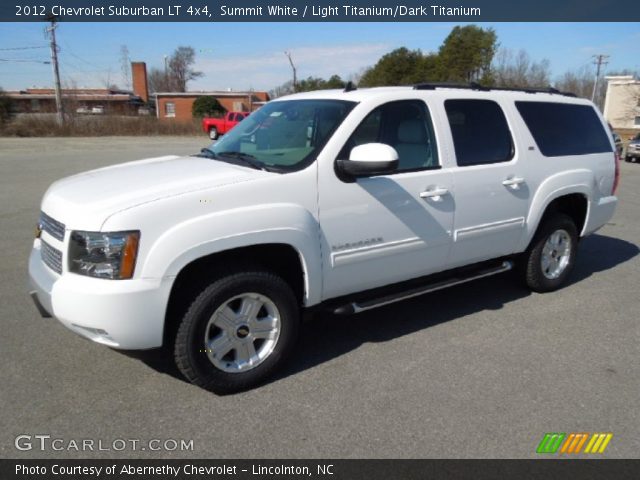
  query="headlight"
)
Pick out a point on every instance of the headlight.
point(103, 255)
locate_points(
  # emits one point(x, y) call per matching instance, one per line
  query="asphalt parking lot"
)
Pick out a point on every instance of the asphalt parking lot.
point(480, 370)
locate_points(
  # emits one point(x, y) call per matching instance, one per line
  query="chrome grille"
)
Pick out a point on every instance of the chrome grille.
point(52, 257)
point(51, 226)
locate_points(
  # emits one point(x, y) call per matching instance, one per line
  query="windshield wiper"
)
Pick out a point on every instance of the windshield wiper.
point(245, 158)
point(206, 153)
point(236, 157)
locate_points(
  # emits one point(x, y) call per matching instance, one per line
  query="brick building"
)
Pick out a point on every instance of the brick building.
point(81, 100)
point(177, 106)
point(174, 106)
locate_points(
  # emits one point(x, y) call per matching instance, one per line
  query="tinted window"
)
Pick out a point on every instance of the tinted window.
point(404, 125)
point(480, 132)
point(564, 129)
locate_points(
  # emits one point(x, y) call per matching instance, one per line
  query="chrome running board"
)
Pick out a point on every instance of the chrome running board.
point(357, 307)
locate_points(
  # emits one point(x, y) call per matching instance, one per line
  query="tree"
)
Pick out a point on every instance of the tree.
point(307, 85)
point(400, 67)
point(125, 66)
point(466, 55)
point(158, 80)
point(207, 107)
point(281, 90)
point(518, 70)
point(580, 82)
point(178, 73)
point(181, 68)
point(317, 83)
point(5, 107)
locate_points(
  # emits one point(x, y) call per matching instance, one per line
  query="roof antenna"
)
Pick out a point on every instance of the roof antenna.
point(350, 87)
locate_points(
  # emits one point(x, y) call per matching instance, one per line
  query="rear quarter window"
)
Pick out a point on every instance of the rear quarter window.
point(561, 129)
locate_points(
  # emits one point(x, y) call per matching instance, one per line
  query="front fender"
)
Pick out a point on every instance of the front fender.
point(242, 227)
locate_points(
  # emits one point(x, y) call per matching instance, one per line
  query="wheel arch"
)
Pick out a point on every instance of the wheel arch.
point(567, 192)
point(282, 259)
point(574, 204)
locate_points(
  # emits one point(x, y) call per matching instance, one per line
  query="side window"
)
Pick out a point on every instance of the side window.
point(564, 129)
point(480, 132)
point(406, 126)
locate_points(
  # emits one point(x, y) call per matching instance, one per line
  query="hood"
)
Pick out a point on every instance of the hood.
point(86, 200)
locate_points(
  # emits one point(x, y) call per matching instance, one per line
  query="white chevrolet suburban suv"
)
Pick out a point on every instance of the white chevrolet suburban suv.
point(343, 200)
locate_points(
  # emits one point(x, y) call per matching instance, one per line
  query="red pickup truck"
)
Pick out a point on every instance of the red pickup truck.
point(219, 126)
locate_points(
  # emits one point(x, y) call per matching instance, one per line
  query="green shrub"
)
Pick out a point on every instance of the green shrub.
point(207, 107)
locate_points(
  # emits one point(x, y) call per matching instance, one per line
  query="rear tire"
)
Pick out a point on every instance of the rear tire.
point(551, 256)
point(213, 133)
point(237, 332)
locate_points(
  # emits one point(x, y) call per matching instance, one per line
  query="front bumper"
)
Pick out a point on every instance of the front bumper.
point(124, 314)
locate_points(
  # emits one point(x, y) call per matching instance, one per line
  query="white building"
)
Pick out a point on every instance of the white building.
point(622, 103)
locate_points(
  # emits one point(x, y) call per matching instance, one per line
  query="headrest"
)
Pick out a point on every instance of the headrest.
point(412, 131)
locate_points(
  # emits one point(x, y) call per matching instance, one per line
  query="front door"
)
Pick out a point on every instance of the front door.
point(384, 229)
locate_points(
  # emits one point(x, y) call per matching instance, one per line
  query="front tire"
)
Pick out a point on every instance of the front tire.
point(551, 256)
point(237, 332)
point(213, 133)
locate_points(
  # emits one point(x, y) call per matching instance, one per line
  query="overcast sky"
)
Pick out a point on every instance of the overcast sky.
point(251, 55)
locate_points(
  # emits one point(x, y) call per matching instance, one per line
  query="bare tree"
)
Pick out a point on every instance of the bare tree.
point(281, 90)
point(181, 68)
point(158, 81)
point(107, 83)
point(125, 66)
point(518, 70)
point(177, 73)
point(580, 82)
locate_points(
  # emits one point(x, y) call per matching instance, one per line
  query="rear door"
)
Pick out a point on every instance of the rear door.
point(493, 191)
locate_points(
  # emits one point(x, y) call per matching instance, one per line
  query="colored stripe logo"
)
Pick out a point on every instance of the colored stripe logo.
point(573, 443)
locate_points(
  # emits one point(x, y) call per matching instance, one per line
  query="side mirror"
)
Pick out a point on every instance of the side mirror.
point(370, 159)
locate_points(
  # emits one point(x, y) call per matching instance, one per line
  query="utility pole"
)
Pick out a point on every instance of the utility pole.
point(293, 67)
point(166, 73)
point(56, 71)
point(599, 60)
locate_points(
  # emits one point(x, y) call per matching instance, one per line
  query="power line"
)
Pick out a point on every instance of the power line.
point(21, 48)
point(46, 62)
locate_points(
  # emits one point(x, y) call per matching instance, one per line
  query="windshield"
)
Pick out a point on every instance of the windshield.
point(283, 136)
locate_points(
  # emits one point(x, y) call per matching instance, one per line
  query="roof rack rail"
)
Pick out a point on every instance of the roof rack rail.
point(482, 88)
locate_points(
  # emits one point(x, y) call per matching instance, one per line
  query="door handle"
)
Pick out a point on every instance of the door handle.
point(513, 182)
point(434, 193)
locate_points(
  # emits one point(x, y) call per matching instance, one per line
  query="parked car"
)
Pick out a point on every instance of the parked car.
point(335, 200)
point(633, 149)
point(219, 126)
